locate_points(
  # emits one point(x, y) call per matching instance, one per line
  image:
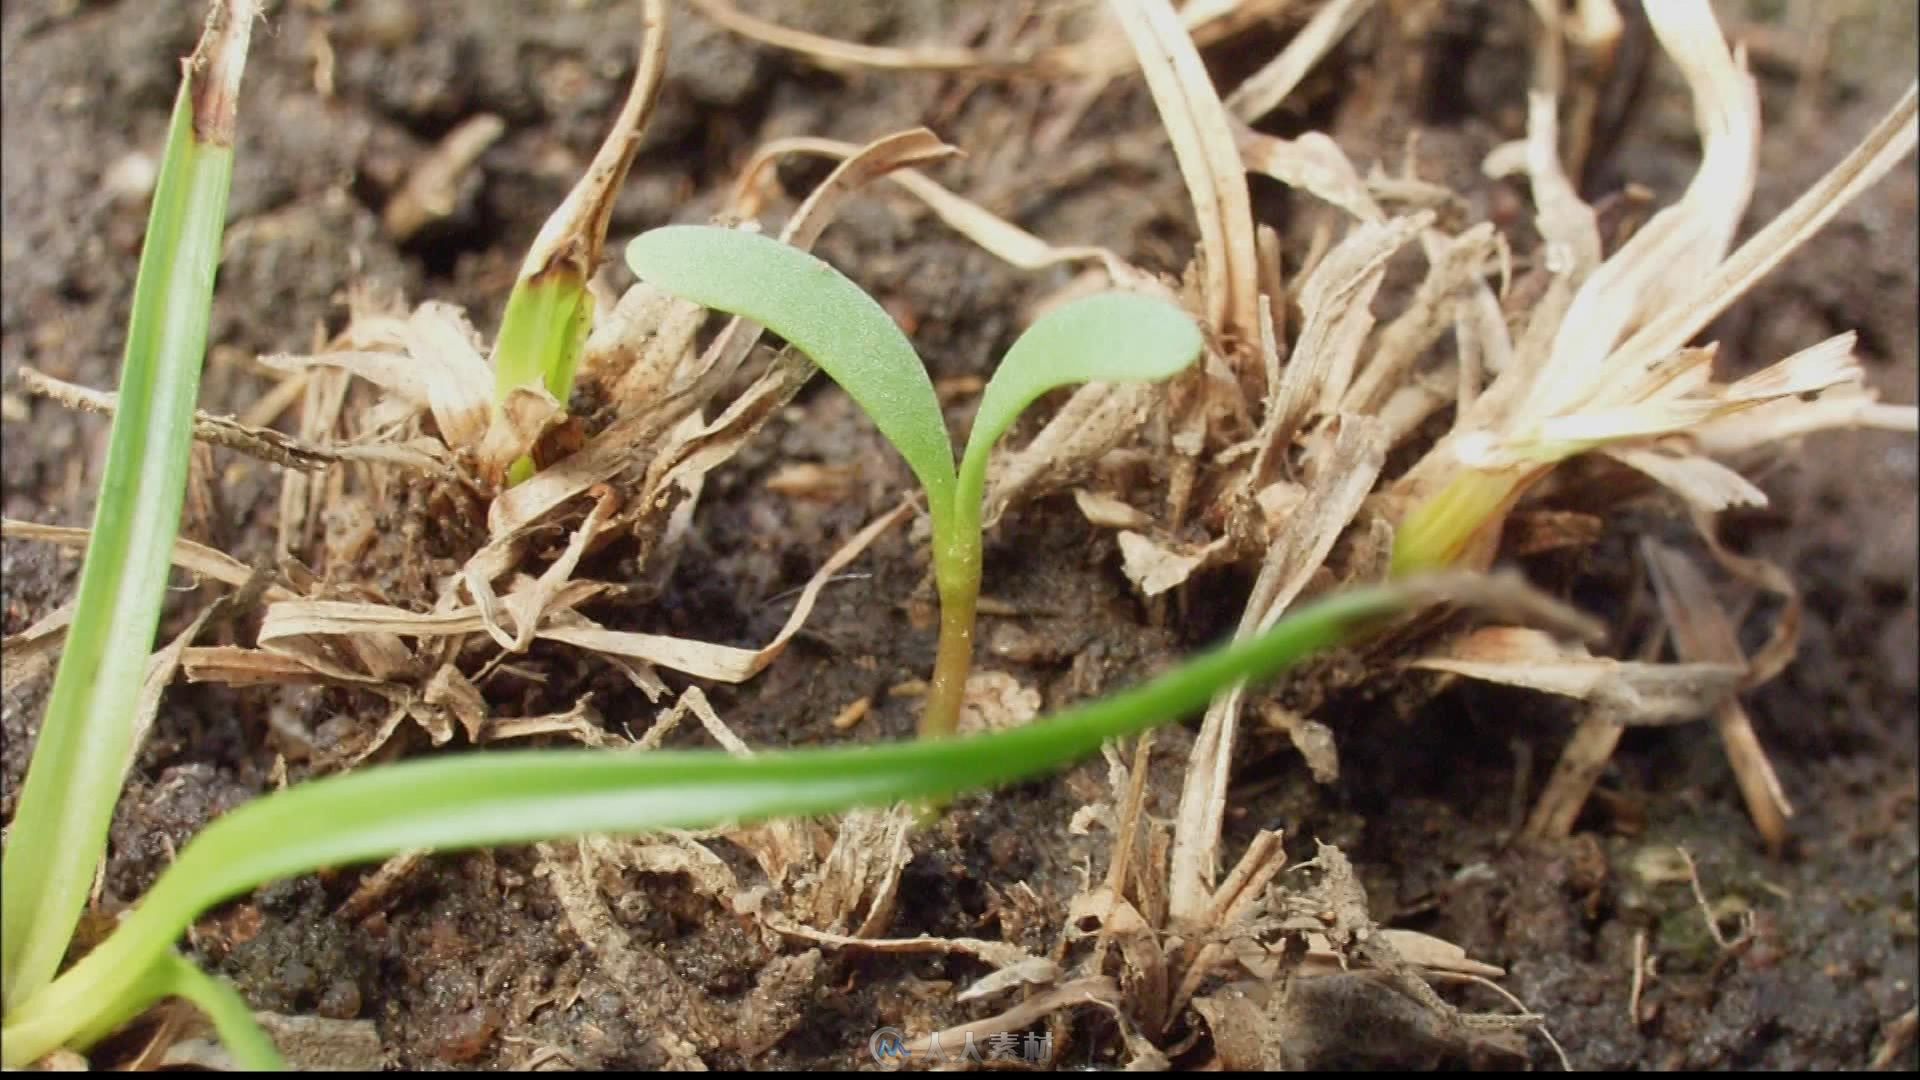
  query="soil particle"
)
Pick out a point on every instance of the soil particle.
point(157, 817)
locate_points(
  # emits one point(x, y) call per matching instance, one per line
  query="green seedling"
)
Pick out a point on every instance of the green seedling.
point(1112, 337)
point(543, 330)
point(489, 798)
point(542, 334)
point(86, 743)
point(58, 833)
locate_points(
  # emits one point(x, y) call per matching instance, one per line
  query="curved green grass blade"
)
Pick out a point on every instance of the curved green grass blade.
point(59, 829)
point(1112, 337)
point(249, 1044)
point(821, 313)
point(482, 799)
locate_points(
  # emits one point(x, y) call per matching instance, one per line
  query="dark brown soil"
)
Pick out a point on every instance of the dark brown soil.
point(472, 964)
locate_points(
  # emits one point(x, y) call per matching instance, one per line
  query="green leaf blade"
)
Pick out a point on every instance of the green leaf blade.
point(1111, 337)
point(483, 799)
point(246, 1041)
point(86, 739)
point(821, 313)
point(542, 333)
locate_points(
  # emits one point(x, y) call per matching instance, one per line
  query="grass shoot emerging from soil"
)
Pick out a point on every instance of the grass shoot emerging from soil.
point(543, 330)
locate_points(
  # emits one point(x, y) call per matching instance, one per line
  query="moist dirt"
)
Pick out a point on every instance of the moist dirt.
point(470, 961)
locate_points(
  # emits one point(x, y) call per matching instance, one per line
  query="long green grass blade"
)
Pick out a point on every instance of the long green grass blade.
point(825, 316)
point(59, 828)
point(483, 799)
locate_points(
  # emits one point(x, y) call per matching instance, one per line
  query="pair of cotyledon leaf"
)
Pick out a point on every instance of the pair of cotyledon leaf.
point(1111, 337)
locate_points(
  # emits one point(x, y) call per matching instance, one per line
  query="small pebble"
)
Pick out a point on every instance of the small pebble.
point(132, 178)
point(468, 1035)
point(341, 1000)
point(852, 714)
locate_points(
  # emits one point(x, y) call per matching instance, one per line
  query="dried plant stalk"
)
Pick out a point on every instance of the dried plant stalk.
point(1702, 632)
point(1204, 146)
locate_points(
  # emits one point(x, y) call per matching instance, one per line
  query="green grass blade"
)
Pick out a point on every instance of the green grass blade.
point(542, 334)
point(59, 829)
point(1438, 532)
point(249, 1044)
point(483, 799)
point(543, 331)
point(1112, 337)
point(819, 312)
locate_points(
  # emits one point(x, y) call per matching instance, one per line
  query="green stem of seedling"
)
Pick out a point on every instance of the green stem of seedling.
point(958, 579)
point(957, 548)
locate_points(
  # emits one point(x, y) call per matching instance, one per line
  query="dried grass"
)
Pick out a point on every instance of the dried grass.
point(1275, 459)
